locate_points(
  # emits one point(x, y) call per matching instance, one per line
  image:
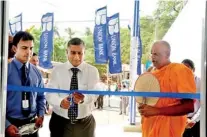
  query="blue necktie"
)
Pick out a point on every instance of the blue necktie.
point(25, 95)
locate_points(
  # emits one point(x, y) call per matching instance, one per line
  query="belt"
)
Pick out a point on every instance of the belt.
point(78, 120)
point(20, 122)
point(74, 121)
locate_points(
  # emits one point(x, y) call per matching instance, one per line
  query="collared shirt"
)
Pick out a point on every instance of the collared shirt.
point(88, 77)
point(195, 116)
point(14, 98)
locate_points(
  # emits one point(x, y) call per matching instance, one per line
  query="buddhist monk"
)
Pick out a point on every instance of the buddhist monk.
point(168, 117)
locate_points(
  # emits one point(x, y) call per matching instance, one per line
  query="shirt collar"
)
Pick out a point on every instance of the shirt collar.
point(80, 67)
point(19, 64)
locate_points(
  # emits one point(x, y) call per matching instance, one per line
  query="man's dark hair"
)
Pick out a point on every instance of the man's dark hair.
point(34, 54)
point(76, 42)
point(189, 62)
point(22, 35)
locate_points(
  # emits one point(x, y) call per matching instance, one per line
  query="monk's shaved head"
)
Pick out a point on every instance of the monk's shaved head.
point(163, 46)
point(160, 53)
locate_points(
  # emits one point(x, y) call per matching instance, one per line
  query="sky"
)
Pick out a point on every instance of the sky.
point(77, 14)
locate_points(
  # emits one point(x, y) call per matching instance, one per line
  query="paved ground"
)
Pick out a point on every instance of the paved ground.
point(109, 124)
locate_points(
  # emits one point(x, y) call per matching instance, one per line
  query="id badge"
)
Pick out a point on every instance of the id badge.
point(25, 104)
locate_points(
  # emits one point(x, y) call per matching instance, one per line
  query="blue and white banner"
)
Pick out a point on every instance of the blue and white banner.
point(100, 36)
point(15, 24)
point(139, 54)
point(46, 40)
point(136, 34)
point(114, 51)
point(135, 58)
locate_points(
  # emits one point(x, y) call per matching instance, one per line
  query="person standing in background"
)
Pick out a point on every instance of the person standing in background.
point(34, 59)
point(102, 85)
point(123, 101)
point(193, 122)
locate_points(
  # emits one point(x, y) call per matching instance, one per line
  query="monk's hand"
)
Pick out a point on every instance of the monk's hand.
point(146, 110)
point(190, 123)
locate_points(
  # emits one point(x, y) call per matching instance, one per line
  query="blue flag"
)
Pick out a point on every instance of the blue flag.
point(115, 65)
point(100, 36)
point(136, 33)
point(139, 55)
point(46, 41)
point(15, 24)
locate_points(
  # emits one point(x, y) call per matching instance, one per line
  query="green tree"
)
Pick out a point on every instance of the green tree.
point(156, 26)
point(165, 15)
point(70, 32)
point(36, 32)
point(88, 31)
point(125, 45)
point(59, 50)
point(147, 36)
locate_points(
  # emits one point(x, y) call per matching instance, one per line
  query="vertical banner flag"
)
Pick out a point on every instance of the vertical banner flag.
point(137, 34)
point(115, 65)
point(46, 41)
point(135, 59)
point(100, 36)
point(15, 24)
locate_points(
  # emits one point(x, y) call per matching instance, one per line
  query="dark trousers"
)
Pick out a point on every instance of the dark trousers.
point(18, 123)
point(61, 127)
point(193, 132)
point(100, 101)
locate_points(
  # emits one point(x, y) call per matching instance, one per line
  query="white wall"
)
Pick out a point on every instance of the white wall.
point(185, 35)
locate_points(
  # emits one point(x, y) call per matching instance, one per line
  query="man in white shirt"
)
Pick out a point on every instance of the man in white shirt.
point(193, 123)
point(72, 114)
point(104, 87)
point(124, 101)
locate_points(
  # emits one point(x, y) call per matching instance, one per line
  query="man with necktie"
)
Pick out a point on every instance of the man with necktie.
point(23, 107)
point(72, 115)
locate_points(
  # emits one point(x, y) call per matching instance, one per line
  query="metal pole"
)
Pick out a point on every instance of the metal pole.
point(203, 78)
point(3, 62)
